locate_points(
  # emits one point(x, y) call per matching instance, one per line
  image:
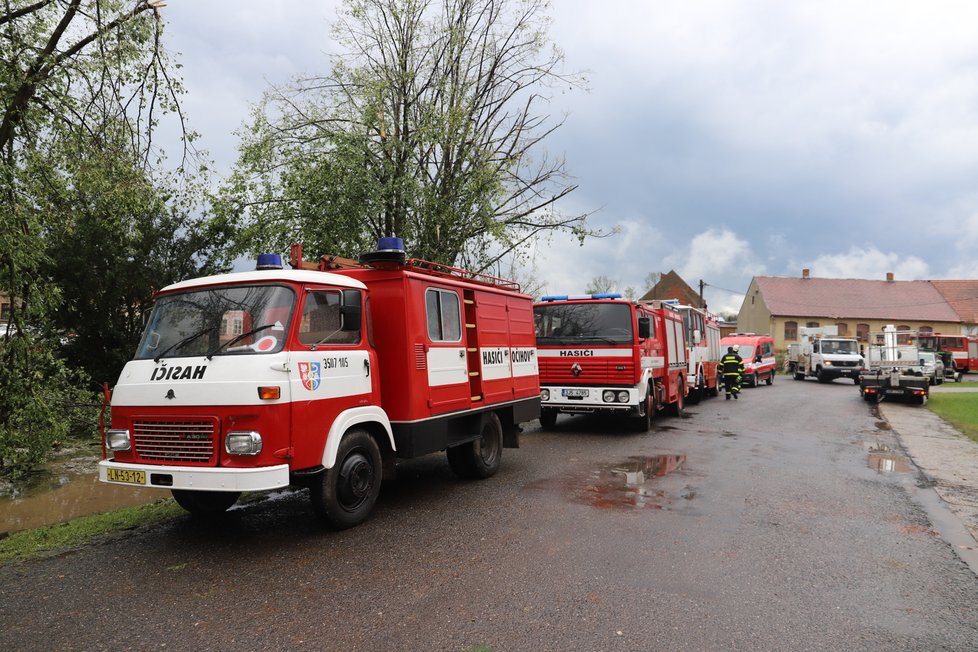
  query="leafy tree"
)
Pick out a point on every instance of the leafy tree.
point(83, 83)
point(429, 126)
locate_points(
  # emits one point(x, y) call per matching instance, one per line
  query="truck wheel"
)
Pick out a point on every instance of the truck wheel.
point(205, 503)
point(770, 378)
point(676, 409)
point(799, 376)
point(479, 458)
point(348, 491)
point(697, 392)
point(643, 421)
point(821, 376)
point(548, 418)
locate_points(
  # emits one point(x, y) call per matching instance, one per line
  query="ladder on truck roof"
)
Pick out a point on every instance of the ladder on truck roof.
point(331, 263)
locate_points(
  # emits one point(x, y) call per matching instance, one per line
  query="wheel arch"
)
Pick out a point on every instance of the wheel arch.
point(372, 419)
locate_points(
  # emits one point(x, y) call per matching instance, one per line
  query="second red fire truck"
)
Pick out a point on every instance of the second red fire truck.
point(601, 353)
point(322, 376)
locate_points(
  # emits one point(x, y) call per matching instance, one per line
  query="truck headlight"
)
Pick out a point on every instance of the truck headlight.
point(827, 363)
point(608, 396)
point(544, 394)
point(623, 397)
point(118, 440)
point(242, 443)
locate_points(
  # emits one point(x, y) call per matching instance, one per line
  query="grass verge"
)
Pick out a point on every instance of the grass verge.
point(960, 410)
point(32, 543)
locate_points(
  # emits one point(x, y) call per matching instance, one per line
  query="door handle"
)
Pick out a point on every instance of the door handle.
point(366, 367)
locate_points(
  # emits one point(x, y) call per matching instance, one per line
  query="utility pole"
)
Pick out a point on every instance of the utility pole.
point(702, 303)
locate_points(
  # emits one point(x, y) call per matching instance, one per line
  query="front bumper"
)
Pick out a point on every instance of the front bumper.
point(593, 402)
point(197, 478)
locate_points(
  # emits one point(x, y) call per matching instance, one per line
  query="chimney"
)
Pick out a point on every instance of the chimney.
point(805, 273)
point(889, 277)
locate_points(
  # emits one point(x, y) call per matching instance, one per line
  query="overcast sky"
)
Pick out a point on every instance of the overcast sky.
point(724, 138)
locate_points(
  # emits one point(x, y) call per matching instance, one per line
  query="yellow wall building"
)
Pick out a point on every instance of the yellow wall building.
point(779, 306)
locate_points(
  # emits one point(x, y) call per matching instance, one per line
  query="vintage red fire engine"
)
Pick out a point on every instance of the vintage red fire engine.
point(321, 376)
point(600, 353)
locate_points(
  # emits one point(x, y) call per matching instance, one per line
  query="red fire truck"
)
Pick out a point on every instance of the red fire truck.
point(322, 376)
point(963, 349)
point(600, 353)
point(703, 351)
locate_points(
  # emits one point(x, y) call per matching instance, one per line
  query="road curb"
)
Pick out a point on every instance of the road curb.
point(947, 460)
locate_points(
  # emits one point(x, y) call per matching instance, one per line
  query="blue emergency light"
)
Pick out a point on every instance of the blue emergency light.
point(269, 261)
point(573, 297)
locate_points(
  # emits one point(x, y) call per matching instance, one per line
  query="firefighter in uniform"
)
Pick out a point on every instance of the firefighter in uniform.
point(732, 368)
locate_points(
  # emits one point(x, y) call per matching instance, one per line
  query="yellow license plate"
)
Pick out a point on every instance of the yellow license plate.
point(125, 475)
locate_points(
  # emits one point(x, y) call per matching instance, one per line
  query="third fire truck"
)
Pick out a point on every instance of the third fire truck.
point(600, 353)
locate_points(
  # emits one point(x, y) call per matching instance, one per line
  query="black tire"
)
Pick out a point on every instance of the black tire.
point(697, 393)
point(643, 420)
point(348, 491)
point(479, 458)
point(205, 503)
point(676, 409)
point(548, 419)
point(822, 377)
point(753, 380)
point(770, 378)
point(799, 376)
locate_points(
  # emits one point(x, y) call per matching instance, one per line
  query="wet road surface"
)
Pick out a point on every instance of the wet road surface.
point(782, 521)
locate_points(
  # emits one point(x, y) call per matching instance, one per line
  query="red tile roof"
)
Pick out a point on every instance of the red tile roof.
point(848, 298)
point(963, 297)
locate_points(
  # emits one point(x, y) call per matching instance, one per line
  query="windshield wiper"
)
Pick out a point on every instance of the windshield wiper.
point(212, 352)
point(185, 340)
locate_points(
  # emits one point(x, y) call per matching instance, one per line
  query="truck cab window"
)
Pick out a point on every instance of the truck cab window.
point(321, 320)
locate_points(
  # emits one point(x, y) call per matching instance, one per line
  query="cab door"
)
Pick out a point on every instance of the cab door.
point(330, 368)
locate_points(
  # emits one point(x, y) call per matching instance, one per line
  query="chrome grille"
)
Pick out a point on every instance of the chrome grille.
point(174, 441)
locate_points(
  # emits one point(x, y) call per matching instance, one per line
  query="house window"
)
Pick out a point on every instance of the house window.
point(4, 312)
point(905, 336)
point(862, 332)
point(843, 328)
point(926, 329)
point(791, 330)
point(812, 324)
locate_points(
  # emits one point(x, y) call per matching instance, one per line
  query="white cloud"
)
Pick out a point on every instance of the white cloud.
point(868, 263)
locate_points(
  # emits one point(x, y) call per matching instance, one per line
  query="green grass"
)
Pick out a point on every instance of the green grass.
point(964, 384)
point(32, 543)
point(960, 410)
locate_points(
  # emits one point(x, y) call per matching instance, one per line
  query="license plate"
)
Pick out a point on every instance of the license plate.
point(125, 475)
point(894, 391)
point(574, 393)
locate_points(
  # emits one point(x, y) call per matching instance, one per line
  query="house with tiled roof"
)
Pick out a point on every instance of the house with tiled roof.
point(672, 286)
point(779, 306)
point(963, 298)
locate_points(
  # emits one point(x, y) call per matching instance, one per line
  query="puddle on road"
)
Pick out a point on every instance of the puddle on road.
point(883, 460)
point(61, 494)
point(625, 485)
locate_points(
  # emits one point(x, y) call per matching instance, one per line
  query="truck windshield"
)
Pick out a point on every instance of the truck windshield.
point(218, 321)
point(847, 347)
point(581, 322)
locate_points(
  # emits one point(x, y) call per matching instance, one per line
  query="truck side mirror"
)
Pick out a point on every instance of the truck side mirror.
point(644, 328)
point(351, 311)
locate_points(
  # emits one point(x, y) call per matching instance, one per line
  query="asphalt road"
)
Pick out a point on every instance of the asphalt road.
point(783, 521)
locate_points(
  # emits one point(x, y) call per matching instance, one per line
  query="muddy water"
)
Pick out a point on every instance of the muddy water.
point(63, 491)
point(628, 484)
